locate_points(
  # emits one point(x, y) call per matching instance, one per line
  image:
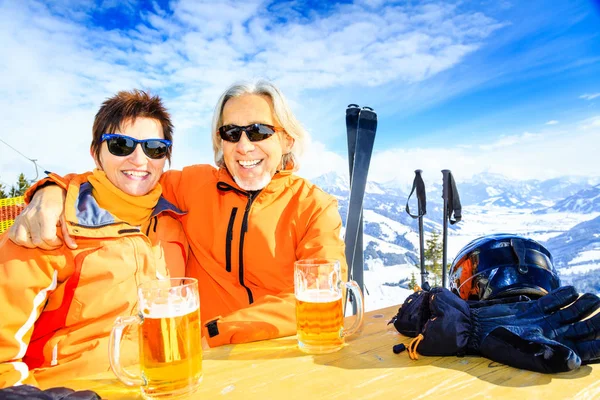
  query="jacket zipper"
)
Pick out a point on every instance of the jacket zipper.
point(229, 239)
point(251, 197)
point(225, 187)
point(155, 219)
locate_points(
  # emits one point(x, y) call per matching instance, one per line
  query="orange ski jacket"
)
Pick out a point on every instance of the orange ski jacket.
point(59, 306)
point(244, 244)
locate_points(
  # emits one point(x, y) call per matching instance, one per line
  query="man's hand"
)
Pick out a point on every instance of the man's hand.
point(36, 225)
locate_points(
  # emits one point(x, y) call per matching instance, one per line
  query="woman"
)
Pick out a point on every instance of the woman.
point(248, 220)
point(59, 306)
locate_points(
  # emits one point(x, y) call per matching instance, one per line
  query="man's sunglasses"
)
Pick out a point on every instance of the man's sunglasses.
point(121, 145)
point(254, 132)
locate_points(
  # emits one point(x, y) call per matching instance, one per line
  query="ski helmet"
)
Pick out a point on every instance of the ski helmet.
point(502, 265)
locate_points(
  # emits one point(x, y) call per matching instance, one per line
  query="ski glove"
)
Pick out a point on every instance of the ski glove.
point(414, 313)
point(546, 335)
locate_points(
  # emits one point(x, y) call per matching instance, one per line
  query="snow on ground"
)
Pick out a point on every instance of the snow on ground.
point(590, 255)
point(579, 269)
point(492, 191)
point(383, 246)
point(477, 221)
point(381, 295)
point(586, 261)
point(373, 188)
point(396, 227)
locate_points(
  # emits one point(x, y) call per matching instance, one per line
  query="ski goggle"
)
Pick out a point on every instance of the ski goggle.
point(121, 145)
point(254, 132)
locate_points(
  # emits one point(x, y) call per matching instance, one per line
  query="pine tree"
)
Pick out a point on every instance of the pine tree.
point(21, 187)
point(3, 194)
point(433, 258)
point(413, 282)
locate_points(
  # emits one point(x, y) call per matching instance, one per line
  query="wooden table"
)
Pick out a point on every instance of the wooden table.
point(365, 369)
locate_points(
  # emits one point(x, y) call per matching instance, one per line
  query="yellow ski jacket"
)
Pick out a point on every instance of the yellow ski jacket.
point(59, 306)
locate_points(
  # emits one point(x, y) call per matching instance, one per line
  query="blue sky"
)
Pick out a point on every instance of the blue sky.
point(510, 87)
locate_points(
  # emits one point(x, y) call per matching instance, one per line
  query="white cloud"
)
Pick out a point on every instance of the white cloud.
point(317, 160)
point(58, 67)
point(511, 140)
point(592, 123)
point(542, 155)
point(58, 70)
point(589, 96)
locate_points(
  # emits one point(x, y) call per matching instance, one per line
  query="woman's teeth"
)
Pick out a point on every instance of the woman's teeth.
point(138, 174)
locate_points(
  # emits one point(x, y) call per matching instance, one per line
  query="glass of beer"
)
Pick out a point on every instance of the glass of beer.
point(319, 305)
point(170, 345)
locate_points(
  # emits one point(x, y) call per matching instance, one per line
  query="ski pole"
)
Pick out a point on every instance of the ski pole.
point(445, 174)
point(422, 211)
point(419, 187)
point(452, 207)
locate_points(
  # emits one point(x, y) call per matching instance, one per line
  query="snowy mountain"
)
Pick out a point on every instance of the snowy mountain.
point(561, 188)
point(577, 255)
point(584, 201)
point(333, 183)
point(563, 213)
point(494, 189)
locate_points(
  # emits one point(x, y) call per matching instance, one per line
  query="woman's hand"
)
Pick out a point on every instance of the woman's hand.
point(36, 225)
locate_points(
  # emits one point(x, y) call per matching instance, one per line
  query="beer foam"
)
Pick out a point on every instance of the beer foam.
point(318, 296)
point(169, 310)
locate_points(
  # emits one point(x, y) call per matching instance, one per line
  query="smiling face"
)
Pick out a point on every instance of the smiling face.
point(135, 174)
point(253, 164)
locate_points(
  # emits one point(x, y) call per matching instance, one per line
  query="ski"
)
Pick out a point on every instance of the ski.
point(352, 115)
point(361, 124)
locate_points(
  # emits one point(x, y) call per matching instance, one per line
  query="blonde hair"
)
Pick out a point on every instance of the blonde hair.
point(283, 115)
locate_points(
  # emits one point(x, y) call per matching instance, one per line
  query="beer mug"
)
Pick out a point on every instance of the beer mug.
point(170, 344)
point(319, 305)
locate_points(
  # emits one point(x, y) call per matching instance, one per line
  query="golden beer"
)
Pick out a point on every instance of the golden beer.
point(318, 287)
point(170, 342)
point(171, 353)
point(320, 321)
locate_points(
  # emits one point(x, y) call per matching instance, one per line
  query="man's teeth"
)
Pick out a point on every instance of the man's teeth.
point(248, 163)
point(136, 173)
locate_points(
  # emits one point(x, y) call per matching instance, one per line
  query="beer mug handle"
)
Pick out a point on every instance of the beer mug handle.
point(114, 351)
point(353, 286)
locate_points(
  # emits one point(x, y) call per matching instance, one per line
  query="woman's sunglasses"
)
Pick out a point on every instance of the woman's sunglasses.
point(254, 132)
point(121, 145)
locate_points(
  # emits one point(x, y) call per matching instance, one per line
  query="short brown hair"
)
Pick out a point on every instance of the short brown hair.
point(127, 106)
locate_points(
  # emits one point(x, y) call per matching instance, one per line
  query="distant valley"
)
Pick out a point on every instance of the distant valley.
point(563, 214)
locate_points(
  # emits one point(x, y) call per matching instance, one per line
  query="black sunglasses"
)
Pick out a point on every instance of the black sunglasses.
point(254, 132)
point(121, 145)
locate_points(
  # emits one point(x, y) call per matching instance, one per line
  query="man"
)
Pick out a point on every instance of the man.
point(248, 220)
